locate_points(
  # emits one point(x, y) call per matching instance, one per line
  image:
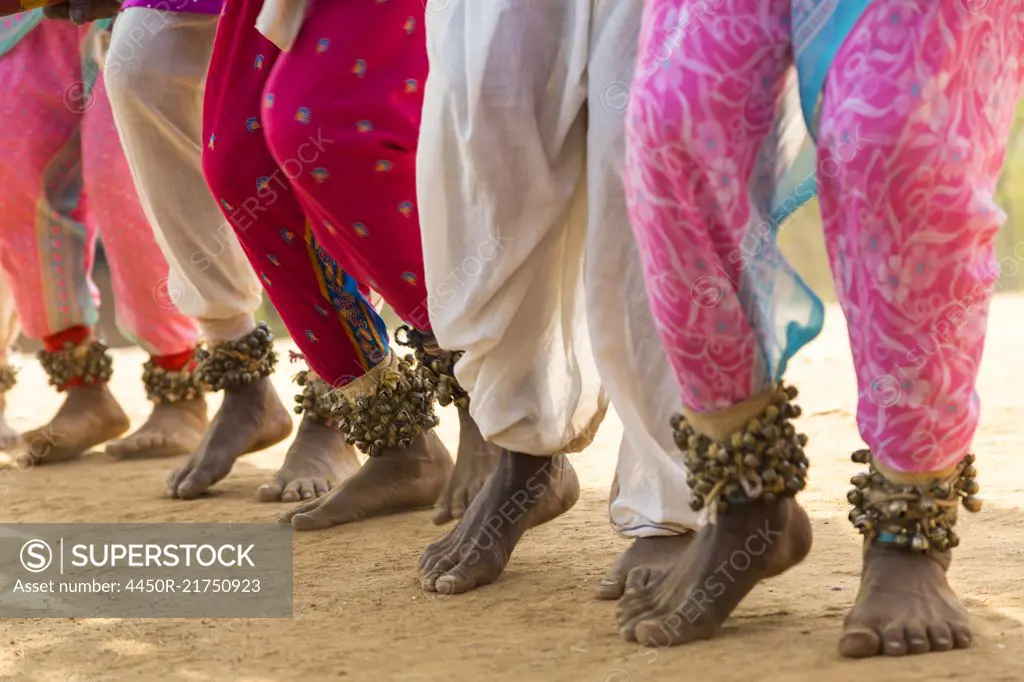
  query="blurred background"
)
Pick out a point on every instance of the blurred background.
point(801, 239)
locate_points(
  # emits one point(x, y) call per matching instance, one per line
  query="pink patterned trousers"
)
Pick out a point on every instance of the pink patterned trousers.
point(64, 182)
point(917, 109)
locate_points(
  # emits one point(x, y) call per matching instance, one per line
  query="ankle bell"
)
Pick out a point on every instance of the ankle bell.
point(440, 363)
point(84, 364)
point(231, 364)
point(763, 461)
point(388, 408)
point(915, 517)
point(165, 386)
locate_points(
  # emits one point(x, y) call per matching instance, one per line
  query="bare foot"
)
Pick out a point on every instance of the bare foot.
point(476, 460)
point(317, 460)
point(250, 418)
point(647, 559)
point(749, 543)
point(88, 417)
point(523, 492)
point(395, 480)
point(172, 429)
point(9, 438)
point(905, 606)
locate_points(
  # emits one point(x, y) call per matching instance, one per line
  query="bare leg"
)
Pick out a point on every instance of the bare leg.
point(476, 460)
point(250, 418)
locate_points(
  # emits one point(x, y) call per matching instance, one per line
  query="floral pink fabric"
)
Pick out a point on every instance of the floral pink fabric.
point(917, 108)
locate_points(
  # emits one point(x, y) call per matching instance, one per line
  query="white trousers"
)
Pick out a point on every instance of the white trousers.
point(156, 75)
point(530, 263)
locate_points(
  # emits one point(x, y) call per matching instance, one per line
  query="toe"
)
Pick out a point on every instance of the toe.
point(174, 480)
point(321, 486)
point(469, 574)
point(917, 638)
point(894, 640)
point(638, 579)
point(333, 513)
point(307, 490)
point(962, 637)
point(292, 492)
point(442, 513)
point(286, 517)
point(661, 632)
point(612, 585)
point(433, 551)
point(195, 484)
point(610, 588)
point(941, 637)
point(435, 568)
point(859, 642)
point(270, 491)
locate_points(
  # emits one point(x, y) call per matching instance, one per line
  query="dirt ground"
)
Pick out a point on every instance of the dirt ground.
point(360, 615)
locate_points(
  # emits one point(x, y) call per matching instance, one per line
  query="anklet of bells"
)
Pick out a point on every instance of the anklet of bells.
point(230, 364)
point(8, 378)
point(398, 407)
point(441, 364)
point(316, 400)
point(915, 517)
point(165, 386)
point(88, 362)
point(763, 461)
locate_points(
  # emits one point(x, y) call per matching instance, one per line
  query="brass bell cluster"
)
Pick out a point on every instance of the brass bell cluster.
point(90, 362)
point(763, 461)
point(917, 517)
point(164, 386)
point(399, 408)
point(230, 364)
point(441, 364)
point(316, 400)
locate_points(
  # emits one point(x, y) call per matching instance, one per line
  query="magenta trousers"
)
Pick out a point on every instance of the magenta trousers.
point(917, 108)
point(312, 157)
point(64, 182)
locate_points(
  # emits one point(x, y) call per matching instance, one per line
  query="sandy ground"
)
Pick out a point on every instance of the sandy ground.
point(360, 615)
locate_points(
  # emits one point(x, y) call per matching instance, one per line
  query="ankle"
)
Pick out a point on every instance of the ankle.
point(170, 379)
point(720, 425)
point(762, 461)
point(911, 516)
point(75, 364)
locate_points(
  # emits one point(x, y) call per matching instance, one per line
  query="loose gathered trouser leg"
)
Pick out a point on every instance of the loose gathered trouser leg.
point(917, 108)
point(310, 154)
point(529, 262)
point(156, 75)
point(65, 183)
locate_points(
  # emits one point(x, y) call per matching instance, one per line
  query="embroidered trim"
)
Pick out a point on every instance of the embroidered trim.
point(230, 364)
point(915, 517)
